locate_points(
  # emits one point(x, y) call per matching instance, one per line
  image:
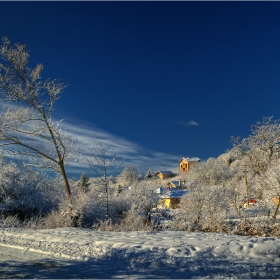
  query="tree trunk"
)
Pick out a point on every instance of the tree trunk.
point(75, 217)
point(106, 194)
point(107, 202)
point(66, 182)
point(276, 209)
point(246, 187)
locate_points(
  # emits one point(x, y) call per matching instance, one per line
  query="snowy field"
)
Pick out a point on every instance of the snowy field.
point(84, 253)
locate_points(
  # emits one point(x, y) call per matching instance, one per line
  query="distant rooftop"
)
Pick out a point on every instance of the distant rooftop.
point(173, 193)
point(165, 172)
point(191, 158)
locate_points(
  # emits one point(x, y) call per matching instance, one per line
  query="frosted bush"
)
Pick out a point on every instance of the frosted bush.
point(202, 209)
point(131, 208)
point(135, 221)
point(87, 208)
point(19, 192)
point(66, 215)
point(9, 221)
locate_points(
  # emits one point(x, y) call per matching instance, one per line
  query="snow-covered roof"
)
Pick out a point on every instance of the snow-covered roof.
point(165, 172)
point(176, 183)
point(174, 193)
point(190, 159)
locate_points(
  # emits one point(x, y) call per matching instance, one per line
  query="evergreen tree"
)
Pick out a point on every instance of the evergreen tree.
point(84, 182)
point(149, 174)
point(120, 189)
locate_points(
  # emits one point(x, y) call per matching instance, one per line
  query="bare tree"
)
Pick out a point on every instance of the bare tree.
point(26, 121)
point(105, 166)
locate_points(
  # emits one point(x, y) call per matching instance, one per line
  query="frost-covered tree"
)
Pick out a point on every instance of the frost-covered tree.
point(238, 190)
point(26, 119)
point(210, 172)
point(84, 182)
point(259, 150)
point(105, 165)
point(258, 156)
point(129, 175)
point(142, 199)
point(202, 208)
point(272, 187)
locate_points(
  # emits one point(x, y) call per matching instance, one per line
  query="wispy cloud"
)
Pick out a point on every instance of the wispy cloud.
point(190, 123)
point(88, 134)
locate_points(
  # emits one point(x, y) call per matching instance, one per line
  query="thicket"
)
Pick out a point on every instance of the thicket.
point(29, 199)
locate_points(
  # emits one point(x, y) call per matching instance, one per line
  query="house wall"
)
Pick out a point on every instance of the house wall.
point(171, 203)
point(167, 202)
point(159, 175)
point(164, 176)
point(183, 166)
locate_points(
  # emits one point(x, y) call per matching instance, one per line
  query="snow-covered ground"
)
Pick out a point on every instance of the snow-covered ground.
point(85, 253)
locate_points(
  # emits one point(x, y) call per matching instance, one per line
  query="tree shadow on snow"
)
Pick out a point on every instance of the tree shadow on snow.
point(137, 265)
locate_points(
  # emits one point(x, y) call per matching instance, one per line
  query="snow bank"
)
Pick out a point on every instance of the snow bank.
point(187, 254)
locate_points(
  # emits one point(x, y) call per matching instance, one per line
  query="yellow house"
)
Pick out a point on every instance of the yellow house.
point(170, 197)
point(165, 174)
point(171, 203)
point(186, 163)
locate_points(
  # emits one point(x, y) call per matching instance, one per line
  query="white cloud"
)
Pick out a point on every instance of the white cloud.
point(88, 134)
point(190, 123)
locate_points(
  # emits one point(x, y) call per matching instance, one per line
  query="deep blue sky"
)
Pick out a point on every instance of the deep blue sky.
point(139, 72)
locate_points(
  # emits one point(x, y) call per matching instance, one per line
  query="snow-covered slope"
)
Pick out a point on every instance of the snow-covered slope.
point(169, 254)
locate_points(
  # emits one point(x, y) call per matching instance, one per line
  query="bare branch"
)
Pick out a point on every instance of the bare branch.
point(29, 125)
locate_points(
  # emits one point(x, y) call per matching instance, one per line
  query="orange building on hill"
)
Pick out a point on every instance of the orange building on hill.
point(186, 163)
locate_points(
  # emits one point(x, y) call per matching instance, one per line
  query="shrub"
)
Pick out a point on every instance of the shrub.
point(19, 194)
